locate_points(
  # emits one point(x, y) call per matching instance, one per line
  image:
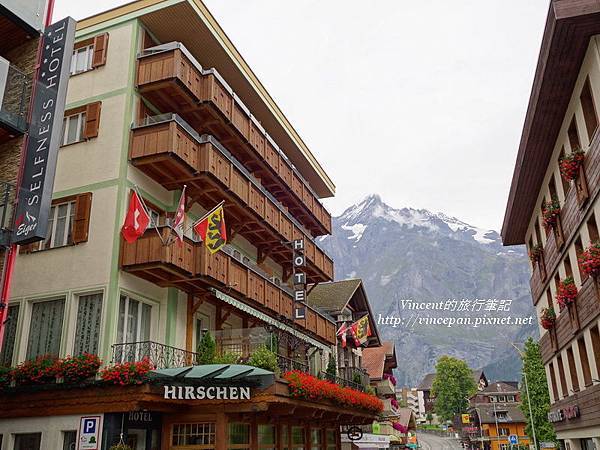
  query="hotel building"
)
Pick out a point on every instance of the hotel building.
point(562, 120)
point(160, 99)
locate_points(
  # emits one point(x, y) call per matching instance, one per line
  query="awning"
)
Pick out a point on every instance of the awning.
point(218, 374)
point(268, 319)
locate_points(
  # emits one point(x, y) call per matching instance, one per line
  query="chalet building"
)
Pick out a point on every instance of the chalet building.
point(159, 101)
point(410, 398)
point(496, 414)
point(426, 400)
point(21, 24)
point(553, 208)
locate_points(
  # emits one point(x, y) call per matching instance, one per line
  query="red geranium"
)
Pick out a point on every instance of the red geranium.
point(303, 385)
point(40, 370)
point(74, 369)
point(589, 260)
point(567, 292)
point(127, 373)
point(548, 318)
point(550, 212)
point(535, 253)
point(569, 164)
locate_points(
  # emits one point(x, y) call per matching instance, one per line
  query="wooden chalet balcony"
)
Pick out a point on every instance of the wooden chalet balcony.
point(572, 319)
point(572, 214)
point(168, 150)
point(191, 268)
point(171, 78)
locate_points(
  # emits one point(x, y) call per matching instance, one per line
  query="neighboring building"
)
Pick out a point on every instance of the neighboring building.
point(499, 407)
point(409, 397)
point(426, 400)
point(21, 24)
point(562, 117)
point(160, 99)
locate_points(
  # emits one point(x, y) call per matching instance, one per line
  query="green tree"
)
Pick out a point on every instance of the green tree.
point(533, 368)
point(207, 349)
point(452, 385)
point(331, 371)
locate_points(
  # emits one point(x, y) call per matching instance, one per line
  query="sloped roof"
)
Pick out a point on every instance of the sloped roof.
point(333, 296)
point(373, 359)
point(500, 387)
point(406, 417)
point(488, 413)
point(428, 379)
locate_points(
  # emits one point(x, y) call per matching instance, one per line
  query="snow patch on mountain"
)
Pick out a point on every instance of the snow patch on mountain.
point(357, 230)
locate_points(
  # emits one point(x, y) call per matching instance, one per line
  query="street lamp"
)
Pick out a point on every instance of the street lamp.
point(528, 397)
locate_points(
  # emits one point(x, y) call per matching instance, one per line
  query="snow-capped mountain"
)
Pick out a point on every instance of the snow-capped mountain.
point(410, 253)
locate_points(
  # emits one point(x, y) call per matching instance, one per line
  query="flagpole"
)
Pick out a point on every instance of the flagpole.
point(206, 215)
point(168, 241)
point(135, 188)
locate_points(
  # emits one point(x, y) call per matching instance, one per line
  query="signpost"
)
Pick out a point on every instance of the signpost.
point(513, 439)
point(89, 436)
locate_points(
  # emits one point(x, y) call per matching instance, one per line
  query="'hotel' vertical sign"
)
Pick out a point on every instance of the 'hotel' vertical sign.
point(45, 129)
point(299, 279)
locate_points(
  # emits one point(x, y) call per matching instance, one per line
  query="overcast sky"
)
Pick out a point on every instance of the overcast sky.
point(421, 102)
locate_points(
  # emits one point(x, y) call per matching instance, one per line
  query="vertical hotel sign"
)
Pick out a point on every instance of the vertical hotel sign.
point(45, 128)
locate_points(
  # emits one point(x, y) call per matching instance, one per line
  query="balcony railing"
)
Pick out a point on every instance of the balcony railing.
point(170, 151)
point(173, 80)
point(287, 364)
point(161, 356)
point(7, 200)
point(15, 91)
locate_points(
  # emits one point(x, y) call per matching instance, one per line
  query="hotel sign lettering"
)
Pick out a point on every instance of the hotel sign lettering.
point(566, 413)
point(45, 129)
point(206, 393)
point(299, 261)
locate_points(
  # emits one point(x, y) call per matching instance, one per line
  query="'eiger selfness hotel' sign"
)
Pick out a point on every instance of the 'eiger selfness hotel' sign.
point(45, 129)
point(207, 393)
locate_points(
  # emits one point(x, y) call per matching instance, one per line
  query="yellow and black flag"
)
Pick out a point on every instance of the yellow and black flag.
point(211, 229)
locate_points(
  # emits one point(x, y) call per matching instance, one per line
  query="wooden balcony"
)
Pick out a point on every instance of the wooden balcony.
point(173, 154)
point(585, 311)
point(191, 268)
point(171, 78)
point(573, 212)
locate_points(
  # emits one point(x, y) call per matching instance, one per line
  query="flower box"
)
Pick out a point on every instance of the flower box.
point(127, 372)
point(548, 318)
point(550, 213)
point(567, 292)
point(589, 260)
point(535, 253)
point(571, 163)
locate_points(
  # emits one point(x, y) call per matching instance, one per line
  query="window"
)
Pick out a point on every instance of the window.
point(330, 436)
point(82, 59)
point(549, 297)
point(510, 398)
point(134, 320)
point(572, 369)
point(73, 128)
point(561, 374)
point(10, 334)
point(45, 328)
point(60, 226)
point(493, 399)
point(200, 435)
point(297, 438)
point(565, 184)
point(593, 229)
point(553, 381)
point(69, 440)
point(29, 441)
point(504, 447)
point(266, 437)
point(239, 436)
point(568, 267)
point(502, 398)
point(595, 335)
point(315, 438)
point(89, 316)
point(589, 110)
point(573, 135)
point(503, 431)
point(585, 362)
point(285, 437)
point(578, 252)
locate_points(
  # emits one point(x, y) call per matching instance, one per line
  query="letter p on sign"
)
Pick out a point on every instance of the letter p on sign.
point(89, 425)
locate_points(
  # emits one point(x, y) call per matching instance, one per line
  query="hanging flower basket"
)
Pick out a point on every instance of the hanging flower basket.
point(570, 164)
point(550, 213)
point(589, 260)
point(548, 318)
point(535, 254)
point(75, 369)
point(567, 292)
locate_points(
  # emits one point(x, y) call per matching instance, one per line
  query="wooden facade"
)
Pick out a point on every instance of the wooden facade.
point(172, 156)
point(191, 268)
point(174, 83)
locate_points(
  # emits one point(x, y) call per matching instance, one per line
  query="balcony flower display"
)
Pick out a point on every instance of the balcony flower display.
point(567, 292)
point(303, 385)
point(535, 253)
point(548, 318)
point(392, 378)
point(6, 376)
point(589, 260)
point(127, 372)
point(74, 369)
point(399, 427)
point(550, 213)
point(41, 370)
point(394, 403)
point(570, 164)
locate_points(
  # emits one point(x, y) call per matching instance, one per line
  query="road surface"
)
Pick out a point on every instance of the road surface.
point(433, 442)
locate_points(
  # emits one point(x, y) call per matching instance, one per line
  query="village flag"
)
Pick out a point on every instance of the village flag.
point(342, 333)
point(211, 229)
point(361, 330)
point(179, 220)
point(136, 220)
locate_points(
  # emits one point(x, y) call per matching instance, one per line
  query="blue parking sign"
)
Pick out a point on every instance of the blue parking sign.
point(513, 439)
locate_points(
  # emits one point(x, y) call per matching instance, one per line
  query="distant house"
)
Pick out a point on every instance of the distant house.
point(427, 401)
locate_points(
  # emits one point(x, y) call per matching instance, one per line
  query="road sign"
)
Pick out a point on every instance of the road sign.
point(547, 445)
point(354, 433)
point(513, 439)
point(90, 430)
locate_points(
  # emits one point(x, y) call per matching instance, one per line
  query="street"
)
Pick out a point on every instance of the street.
point(432, 442)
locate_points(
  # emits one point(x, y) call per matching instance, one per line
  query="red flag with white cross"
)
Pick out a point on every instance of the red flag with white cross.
point(136, 220)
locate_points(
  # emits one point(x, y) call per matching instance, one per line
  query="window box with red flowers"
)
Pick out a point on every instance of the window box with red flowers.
point(571, 169)
point(551, 213)
point(589, 260)
point(567, 292)
point(305, 386)
point(76, 369)
point(548, 318)
point(41, 370)
point(127, 372)
point(535, 253)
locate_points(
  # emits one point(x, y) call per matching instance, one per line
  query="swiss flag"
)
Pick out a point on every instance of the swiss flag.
point(179, 221)
point(136, 220)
